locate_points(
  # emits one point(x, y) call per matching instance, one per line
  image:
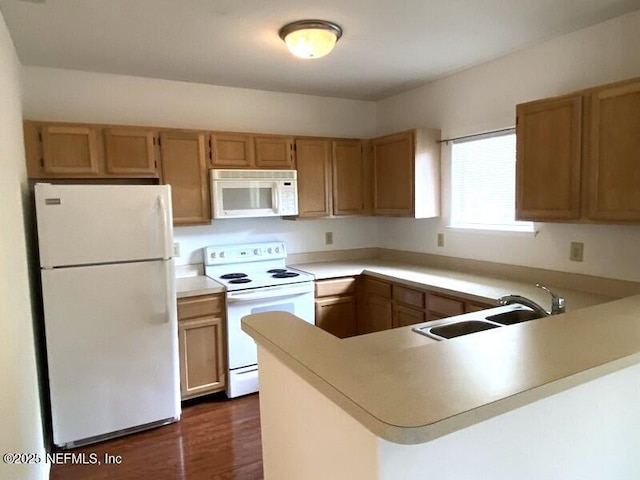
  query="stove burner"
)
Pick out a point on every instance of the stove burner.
point(277, 270)
point(285, 274)
point(228, 276)
point(240, 280)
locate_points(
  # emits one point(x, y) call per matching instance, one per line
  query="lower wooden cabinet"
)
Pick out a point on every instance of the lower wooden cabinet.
point(377, 307)
point(201, 345)
point(388, 305)
point(337, 306)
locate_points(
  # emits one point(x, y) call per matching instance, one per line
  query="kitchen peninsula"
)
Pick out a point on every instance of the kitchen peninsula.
point(551, 398)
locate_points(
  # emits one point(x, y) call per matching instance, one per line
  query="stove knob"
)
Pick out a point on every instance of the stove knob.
point(269, 251)
point(256, 251)
point(277, 249)
point(222, 255)
point(213, 255)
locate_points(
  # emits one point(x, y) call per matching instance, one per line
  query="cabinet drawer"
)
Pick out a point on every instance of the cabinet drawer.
point(476, 307)
point(378, 287)
point(201, 306)
point(335, 286)
point(447, 307)
point(408, 296)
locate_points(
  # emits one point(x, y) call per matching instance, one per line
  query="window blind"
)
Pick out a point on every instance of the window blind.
point(483, 173)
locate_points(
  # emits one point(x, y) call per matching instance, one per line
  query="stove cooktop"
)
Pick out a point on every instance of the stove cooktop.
point(251, 266)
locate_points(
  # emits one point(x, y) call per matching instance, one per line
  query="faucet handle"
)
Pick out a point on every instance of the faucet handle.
point(557, 302)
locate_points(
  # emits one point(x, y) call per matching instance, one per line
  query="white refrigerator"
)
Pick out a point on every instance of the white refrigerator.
point(110, 315)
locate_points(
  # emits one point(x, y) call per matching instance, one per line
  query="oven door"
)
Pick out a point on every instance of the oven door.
point(296, 298)
point(244, 198)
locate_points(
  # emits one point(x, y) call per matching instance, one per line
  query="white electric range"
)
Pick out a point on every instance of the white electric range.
point(257, 280)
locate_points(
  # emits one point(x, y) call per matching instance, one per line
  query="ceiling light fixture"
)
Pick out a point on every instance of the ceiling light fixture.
point(310, 38)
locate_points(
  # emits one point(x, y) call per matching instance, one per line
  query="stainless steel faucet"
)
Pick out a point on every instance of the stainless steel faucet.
point(557, 302)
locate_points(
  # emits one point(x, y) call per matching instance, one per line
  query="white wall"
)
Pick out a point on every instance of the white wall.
point(67, 95)
point(483, 98)
point(19, 402)
point(299, 236)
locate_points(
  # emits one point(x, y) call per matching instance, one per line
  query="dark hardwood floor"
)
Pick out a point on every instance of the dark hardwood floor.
point(215, 439)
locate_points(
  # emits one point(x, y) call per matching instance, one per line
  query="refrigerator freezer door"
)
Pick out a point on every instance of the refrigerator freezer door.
point(92, 224)
point(111, 347)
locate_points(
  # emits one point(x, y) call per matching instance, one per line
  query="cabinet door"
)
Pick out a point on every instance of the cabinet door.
point(202, 367)
point(130, 151)
point(614, 155)
point(313, 165)
point(348, 173)
point(184, 168)
point(404, 316)
point(69, 150)
point(377, 314)
point(274, 152)
point(337, 315)
point(393, 174)
point(549, 140)
point(232, 150)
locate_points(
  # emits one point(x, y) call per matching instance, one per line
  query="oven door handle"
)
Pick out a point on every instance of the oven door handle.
point(268, 293)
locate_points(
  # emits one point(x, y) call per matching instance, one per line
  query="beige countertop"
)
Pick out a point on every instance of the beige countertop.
point(198, 285)
point(409, 389)
point(465, 285)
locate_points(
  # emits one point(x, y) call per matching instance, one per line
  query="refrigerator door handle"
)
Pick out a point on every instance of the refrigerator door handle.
point(165, 226)
point(168, 280)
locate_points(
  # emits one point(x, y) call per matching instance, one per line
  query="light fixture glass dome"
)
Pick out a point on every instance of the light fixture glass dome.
point(310, 38)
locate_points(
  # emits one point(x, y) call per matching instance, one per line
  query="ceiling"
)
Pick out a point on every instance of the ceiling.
point(387, 46)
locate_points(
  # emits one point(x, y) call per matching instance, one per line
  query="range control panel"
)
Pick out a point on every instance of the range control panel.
point(221, 254)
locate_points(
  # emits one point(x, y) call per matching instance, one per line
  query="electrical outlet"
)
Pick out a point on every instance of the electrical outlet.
point(576, 252)
point(176, 249)
point(328, 238)
point(441, 239)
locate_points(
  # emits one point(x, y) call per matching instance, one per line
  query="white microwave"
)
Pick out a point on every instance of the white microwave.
point(253, 193)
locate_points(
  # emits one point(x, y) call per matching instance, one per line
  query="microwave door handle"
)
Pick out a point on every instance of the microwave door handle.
point(276, 197)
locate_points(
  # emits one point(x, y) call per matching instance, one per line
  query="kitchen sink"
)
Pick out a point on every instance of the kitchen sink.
point(457, 329)
point(469, 323)
point(514, 316)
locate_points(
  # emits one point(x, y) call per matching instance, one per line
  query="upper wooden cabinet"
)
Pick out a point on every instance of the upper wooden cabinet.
point(231, 150)
point(349, 177)
point(578, 156)
point(332, 177)
point(406, 174)
point(243, 150)
point(549, 153)
point(65, 150)
point(130, 151)
point(60, 149)
point(614, 153)
point(313, 159)
point(184, 167)
point(274, 151)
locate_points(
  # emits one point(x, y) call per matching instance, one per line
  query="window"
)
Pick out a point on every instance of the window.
point(483, 184)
